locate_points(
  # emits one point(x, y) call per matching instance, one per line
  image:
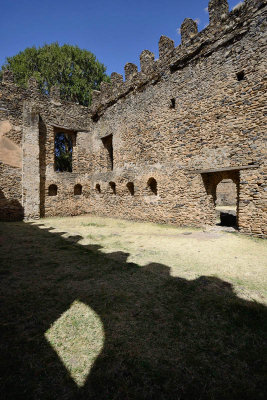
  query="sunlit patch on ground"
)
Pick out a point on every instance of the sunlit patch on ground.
point(78, 338)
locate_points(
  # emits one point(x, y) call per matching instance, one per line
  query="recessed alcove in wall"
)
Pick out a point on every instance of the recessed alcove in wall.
point(78, 189)
point(108, 151)
point(172, 103)
point(98, 188)
point(152, 186)
point(130, 187)
point(52, 190)
point(113, 187)
point(240, 75)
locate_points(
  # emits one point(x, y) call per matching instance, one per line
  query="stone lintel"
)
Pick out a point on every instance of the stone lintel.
point(236, 168)
point(65, 128)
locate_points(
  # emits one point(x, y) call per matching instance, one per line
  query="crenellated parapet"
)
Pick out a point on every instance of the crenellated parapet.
point(223, 28)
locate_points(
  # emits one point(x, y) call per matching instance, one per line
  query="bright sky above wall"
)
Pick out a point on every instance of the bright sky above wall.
point(115, 31)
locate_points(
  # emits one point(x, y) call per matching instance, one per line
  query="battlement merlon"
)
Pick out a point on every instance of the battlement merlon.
point(189, 29)
point(130, 71)
point(223, 28)
point(218, 10)
point(166, 46)
point(147, 59)
point(116, 79)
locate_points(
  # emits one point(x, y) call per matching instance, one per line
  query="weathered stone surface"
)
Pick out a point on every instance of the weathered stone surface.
point(116, 79)
point(130, 70)
point(226, 193)
point(7, 77)
point(55, 93)
point(166, 46)
point(146, 60)
point(188, 30)
point(166, 137)
point(218, 10)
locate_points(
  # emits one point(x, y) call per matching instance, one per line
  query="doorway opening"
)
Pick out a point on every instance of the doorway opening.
point(226, 203)
point(222, 186)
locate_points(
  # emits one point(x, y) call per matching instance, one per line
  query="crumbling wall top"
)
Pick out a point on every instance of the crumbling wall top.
point(223, 28)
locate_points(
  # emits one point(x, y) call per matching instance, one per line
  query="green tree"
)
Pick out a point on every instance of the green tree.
point(63, 153)
point(75, 71)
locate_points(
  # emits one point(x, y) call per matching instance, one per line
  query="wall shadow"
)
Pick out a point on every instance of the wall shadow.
point(10, 209)
point(165, 337)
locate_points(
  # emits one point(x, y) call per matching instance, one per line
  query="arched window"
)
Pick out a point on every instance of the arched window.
point(78, 189)
point(130, 187)
point(98, 188)
point(52, 190)
point(152, 185)
point(113, 187)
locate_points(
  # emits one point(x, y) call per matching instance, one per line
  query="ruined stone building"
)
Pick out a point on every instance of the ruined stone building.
point(155, 146)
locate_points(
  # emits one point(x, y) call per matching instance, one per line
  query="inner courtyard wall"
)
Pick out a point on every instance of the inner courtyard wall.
point(198, 108)
point(217, 122)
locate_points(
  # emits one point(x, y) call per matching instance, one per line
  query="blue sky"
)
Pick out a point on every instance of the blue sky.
point(115, 31)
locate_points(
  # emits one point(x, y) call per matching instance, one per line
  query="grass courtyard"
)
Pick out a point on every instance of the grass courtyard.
point(98, 308)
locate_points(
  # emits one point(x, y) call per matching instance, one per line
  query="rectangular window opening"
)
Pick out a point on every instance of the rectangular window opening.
point(63, 151)
point(108, 145)
point(240, 76)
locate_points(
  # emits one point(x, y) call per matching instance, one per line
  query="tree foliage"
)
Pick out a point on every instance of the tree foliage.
point(63, 153)
point(75, 71)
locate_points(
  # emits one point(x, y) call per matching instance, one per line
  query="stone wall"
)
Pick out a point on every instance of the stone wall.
point(199, 107)
point(226, 193)
point(155, 146)
point(10, 193)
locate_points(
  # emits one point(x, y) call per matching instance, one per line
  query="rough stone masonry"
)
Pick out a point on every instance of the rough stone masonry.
point(155, 146)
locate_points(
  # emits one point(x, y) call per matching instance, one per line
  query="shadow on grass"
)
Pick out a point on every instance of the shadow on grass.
point(165, 337)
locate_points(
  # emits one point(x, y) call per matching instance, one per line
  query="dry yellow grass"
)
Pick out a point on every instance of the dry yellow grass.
point(189, 252)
